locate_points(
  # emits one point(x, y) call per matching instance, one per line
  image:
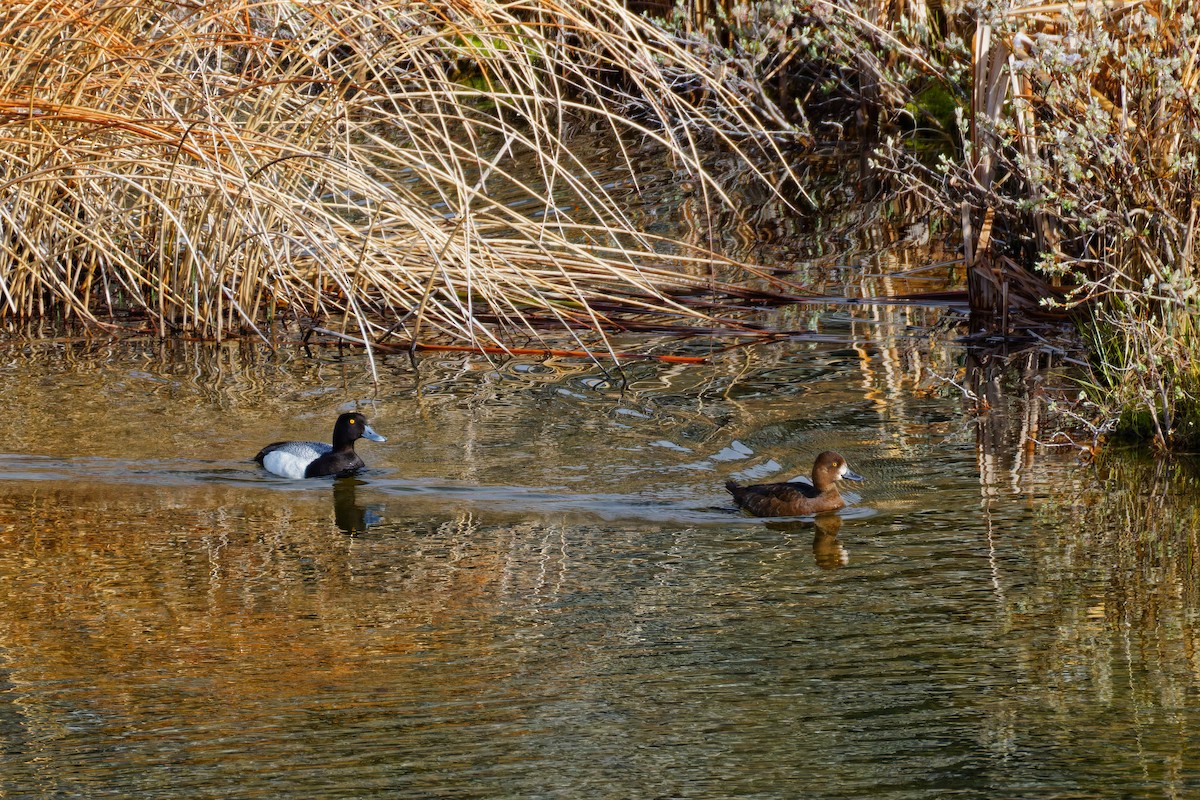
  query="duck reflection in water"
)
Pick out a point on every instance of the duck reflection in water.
point(349, 515)
point(828, 552)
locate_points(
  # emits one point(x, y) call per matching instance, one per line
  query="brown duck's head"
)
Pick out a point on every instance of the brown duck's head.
point(830, 468)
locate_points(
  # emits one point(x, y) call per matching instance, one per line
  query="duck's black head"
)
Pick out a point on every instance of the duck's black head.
point(351, 427)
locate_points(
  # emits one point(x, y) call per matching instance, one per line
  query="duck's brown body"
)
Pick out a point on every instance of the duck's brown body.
point(785, 499)
point(790, 499)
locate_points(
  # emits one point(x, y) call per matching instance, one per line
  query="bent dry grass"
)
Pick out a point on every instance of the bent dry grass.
point(214, 168)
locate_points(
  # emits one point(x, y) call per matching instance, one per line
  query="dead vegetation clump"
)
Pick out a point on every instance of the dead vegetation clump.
point(212, 168)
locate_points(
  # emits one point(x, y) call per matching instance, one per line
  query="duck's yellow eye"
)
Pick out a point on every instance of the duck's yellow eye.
point(353, 421)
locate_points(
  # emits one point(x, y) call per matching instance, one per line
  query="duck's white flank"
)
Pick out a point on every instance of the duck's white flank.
point(290, 460)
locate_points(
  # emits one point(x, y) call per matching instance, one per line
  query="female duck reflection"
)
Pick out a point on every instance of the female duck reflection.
point(828, 551)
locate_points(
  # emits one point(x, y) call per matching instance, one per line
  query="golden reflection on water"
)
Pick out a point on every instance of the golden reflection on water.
point(119, 585)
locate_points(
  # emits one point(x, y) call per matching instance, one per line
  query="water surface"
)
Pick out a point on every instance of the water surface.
point(539, 589)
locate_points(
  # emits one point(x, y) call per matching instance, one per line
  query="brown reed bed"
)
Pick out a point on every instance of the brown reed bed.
point(215, 168)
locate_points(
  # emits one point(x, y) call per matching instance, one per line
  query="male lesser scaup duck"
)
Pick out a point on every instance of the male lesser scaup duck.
point(795, 499)
point(317, 459)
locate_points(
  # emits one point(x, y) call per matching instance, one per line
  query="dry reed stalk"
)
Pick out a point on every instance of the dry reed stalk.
point(213, 167)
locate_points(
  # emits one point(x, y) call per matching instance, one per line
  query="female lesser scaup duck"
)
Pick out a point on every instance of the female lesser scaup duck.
point(316, 459)
point(797, 499)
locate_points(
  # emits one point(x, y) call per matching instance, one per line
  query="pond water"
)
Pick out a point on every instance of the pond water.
point(539, 588)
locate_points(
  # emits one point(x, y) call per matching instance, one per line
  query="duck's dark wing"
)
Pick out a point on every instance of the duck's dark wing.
point(771, 499)
point(789, 489)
